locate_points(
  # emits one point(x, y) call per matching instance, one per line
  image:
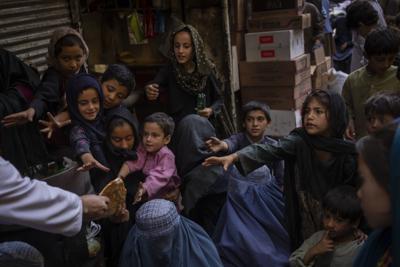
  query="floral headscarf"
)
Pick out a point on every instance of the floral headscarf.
point(57, 35)
point(195, 82)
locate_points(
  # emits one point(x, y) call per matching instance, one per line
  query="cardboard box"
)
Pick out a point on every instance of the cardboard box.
point(262, 8)
point(275, 102)
point(287, 92)
point(328, 61)
point(283, 122)
point(250, 77)
point(291, 66)
point(318, 56)
point(279, 22)
point(274, 45)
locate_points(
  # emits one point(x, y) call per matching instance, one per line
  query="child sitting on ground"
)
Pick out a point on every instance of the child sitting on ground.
point(381, 48)
point(256, 118)
point(155, 160)
point(336, 245)
point(381, 109)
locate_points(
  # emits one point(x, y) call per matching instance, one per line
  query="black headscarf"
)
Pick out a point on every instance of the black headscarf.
point(316, 177)
point(23, 146)
point(75, 86)
point(117, 156)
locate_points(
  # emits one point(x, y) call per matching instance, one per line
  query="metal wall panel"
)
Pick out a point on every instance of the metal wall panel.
point(26, 27)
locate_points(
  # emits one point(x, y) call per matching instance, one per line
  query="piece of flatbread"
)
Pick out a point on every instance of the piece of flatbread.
point(116, 192)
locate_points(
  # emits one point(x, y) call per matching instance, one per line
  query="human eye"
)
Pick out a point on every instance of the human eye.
point(260, 119)
point(110, 88)
point(82, 102)
point(116, 139)
point(95, 100)
point(121, 96)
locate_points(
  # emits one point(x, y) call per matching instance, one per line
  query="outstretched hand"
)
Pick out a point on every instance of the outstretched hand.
point(89, 162)
point(52, 124)
point(19, 118)
point(139, 194)
point(215, 145)
point(223, 161)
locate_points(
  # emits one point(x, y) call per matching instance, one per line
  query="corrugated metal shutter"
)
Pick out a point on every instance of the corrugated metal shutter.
point(26, 27)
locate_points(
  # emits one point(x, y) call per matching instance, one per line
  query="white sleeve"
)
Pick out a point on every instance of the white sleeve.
point(32, 203)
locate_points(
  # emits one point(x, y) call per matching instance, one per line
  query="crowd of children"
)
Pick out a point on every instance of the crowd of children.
point(194, 199)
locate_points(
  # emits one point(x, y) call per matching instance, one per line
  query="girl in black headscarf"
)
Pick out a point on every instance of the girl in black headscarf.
point(316, 159)
point(189, 74)
point(119, 146)
point(85, 106)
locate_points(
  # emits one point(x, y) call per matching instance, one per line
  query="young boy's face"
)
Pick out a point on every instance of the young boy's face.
point(338, 228)
point(114, 93)
point(376, 122)
point(378, 64)
point(255, 124)
point(153, 137)
point(70, 60)
point(89, 104)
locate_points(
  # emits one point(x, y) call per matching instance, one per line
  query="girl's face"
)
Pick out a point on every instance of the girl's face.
point(114, 93)
point(183, 47)
point(89, 104)
point(375, 201)
point(70, 60)
point(316, 119)
point(153, 137)
point(123, 137)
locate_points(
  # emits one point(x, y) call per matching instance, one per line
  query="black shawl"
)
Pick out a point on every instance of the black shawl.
point(23, 145)
point(307, 179)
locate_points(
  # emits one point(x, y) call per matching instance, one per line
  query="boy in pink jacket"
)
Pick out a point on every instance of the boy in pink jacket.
point(155, 160)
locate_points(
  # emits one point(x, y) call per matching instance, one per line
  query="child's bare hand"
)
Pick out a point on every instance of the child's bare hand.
point(215, 145)
point(206, 112)
point(19, 118)
point(224, 161)
point(350, 132)
point(360, 236)
point(89, 162)
point(152, 91)
point(52, 124)
point(325, 245)
point(139, 194)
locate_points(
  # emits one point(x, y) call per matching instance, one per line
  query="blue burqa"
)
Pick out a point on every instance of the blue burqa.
point(250, 230)
point(178, 242)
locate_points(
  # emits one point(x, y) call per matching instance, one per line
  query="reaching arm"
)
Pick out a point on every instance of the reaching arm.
point(35, 204)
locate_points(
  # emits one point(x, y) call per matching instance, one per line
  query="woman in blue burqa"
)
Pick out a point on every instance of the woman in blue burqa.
point(161, 237)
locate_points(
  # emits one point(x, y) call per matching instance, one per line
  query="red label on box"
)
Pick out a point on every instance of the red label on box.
point(267, 53)
point(266, 39)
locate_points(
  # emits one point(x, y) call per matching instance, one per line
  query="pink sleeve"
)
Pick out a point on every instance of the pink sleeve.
point(160, 176)
point(136, 165)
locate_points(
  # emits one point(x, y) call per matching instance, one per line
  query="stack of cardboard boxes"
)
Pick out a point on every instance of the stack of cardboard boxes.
point(319, 69)
point(276, 69)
